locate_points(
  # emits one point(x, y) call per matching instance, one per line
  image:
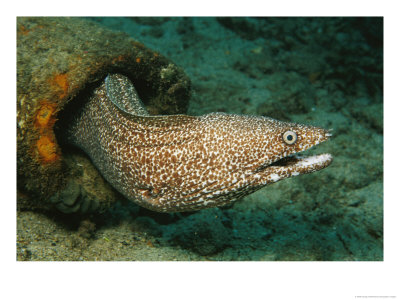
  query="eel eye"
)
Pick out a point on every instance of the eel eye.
point(289, 137)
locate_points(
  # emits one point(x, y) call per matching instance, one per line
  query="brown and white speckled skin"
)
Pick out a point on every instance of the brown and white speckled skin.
point(184, 163)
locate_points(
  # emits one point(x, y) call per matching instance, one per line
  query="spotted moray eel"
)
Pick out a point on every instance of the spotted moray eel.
point(184, 163)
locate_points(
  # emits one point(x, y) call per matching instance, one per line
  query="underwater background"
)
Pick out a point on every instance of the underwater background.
point(326, 72)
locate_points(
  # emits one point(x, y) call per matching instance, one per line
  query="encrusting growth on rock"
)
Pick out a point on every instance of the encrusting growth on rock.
point(56, 68)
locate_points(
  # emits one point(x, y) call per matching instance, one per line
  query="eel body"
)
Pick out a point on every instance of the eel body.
point(183, 163)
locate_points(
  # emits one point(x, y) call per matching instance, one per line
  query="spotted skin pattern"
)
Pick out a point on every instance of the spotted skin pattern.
point(184, 163)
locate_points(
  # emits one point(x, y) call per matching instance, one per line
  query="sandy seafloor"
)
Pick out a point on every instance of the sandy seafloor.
point(319, 71)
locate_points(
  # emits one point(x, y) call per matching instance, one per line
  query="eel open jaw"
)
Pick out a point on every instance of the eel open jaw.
point(296, 164)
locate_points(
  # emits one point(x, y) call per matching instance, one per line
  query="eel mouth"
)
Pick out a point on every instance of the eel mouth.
point(297, 164)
